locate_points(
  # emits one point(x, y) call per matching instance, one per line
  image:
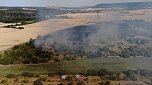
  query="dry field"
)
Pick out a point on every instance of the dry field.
point(11, 37)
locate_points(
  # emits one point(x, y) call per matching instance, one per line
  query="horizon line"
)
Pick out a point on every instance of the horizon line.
point(82, 6)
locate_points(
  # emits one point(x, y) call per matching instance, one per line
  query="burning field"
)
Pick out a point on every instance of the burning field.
point(125, 38)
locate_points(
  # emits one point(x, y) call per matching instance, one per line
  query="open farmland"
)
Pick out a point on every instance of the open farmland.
point(77, 66)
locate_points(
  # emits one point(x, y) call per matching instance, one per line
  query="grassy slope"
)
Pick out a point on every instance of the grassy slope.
point(75, 66)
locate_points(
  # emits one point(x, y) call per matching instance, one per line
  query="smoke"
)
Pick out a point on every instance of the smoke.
point(82, 39)
point(107, 32)
point(90, 38)
point(87, 38)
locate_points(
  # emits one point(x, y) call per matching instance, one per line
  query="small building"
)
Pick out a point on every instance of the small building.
point(63, 77)
point(79, 76)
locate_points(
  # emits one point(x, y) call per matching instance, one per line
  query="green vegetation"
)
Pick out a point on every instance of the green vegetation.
point(136, 51)
point(130, 76)
point(11, 76)
point(38, 82)
point(28, 74)
point(29, 59)
point(23, 14)
point(25, 53)
point(62, 63)
point(79, 66)
point(17, 15)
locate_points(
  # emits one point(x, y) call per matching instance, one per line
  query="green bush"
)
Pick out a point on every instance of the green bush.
point(11, 76)
point(7, 60)
point(38, 82)
point(62, 72)
point(28, 74)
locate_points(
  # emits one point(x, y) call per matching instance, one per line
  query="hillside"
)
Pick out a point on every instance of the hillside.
point(23, 14)
point(129, 5)
point(127, 38)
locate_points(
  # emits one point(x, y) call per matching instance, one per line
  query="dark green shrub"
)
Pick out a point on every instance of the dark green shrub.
point(38, 82)
point(62, 72)
point(11, 76)
point(28, 74)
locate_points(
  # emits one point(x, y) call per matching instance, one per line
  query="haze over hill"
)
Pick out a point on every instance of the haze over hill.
point(59, 3)
point(91, 40)
point(126, 5)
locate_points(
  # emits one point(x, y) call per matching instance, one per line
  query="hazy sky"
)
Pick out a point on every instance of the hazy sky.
point(60, 3)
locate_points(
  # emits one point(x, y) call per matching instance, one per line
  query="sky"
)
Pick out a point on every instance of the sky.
point(60, 3)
